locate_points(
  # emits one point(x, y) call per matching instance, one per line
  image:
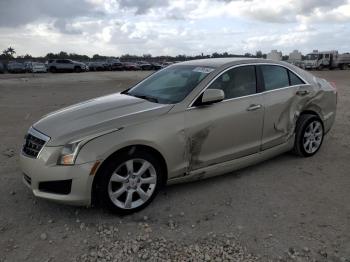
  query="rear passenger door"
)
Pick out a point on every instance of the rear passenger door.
point(68, 65)
point(282, 90)
point(60, 65)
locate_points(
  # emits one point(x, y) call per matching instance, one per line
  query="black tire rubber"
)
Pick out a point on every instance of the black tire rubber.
point(77, 69)
point(102, 184)
point(53, 69)
point(302, 123)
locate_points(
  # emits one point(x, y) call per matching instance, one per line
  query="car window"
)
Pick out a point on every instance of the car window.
point(294, 79)
point(274, 77)
point(171, 85)
point(237, 82)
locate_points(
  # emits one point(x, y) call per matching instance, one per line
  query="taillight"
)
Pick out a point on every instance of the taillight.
point(332, 83)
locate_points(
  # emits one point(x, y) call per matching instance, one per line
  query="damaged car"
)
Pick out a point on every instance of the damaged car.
point(188, 121)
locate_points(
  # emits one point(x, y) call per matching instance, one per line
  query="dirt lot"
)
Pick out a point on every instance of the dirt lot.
point(287, 208)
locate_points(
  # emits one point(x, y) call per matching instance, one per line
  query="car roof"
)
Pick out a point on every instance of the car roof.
point(223, 62)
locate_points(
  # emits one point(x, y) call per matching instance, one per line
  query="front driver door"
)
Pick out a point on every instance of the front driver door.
point(229, 129)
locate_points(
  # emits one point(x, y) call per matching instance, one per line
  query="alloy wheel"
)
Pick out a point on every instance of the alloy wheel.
point(313, 137)
point(132, 183)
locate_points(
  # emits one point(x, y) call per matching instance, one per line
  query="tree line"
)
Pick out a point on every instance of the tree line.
point(9, 54)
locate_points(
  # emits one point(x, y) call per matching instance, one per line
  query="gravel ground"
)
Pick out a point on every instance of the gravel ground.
point(285, 209)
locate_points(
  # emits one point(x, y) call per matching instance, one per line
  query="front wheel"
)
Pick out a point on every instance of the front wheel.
point(130, 182)
point(309, 135)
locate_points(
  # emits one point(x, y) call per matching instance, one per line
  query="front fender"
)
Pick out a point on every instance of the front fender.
point(165, 134)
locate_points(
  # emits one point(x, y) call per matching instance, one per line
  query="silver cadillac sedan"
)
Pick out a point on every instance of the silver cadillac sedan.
point(188, 121)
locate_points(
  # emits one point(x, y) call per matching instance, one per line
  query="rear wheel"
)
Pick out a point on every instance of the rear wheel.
point(343, 67)
point(130, 182)
point(53, 69)
point(77, 69)
point(309, 135)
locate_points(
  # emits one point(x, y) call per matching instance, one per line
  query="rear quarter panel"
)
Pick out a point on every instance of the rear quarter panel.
point(322, 99)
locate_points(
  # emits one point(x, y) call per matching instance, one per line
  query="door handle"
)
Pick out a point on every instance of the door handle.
point(302, 92)
point(253, 107)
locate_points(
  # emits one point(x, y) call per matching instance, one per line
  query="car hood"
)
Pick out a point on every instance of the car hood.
point(97, 116)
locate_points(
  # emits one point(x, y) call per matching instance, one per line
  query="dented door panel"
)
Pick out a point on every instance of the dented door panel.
point(284, 106)
point(279, 119)
point(223, 131)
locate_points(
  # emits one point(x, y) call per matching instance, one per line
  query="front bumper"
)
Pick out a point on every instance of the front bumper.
point(38, 171)
point(39, 70)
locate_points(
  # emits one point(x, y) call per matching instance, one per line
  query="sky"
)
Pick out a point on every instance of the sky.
point(172, 27)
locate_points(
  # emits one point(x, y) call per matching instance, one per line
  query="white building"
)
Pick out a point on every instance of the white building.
point(274, 55)
point(294, 56)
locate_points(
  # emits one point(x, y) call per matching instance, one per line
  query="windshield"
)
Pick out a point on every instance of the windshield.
point(311, 57)
point(170, 85)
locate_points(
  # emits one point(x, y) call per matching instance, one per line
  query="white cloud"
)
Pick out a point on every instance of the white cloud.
point(114, 27)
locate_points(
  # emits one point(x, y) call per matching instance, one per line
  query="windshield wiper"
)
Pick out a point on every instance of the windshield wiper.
point(149, 98)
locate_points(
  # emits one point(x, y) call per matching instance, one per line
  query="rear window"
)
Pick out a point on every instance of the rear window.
point(294, 79)
point(274, 77)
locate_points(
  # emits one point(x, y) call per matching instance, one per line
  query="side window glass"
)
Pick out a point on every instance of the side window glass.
point(237, 82)
point(274, 77)
point(294, 79)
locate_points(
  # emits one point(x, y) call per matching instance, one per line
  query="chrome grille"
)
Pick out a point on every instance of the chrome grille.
point(34, 142)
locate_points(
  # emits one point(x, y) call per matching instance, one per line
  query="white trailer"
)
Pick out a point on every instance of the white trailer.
point(326, 59)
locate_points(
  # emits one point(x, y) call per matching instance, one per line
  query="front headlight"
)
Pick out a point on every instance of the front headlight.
point(71, 150)
point(69, 153)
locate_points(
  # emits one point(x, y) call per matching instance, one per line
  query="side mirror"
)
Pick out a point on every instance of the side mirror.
point(211, 96)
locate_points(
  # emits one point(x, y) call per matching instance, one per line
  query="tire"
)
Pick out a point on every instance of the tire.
point(343, 67)
point(320, 67)
point(53, 69)
point(77, 69)
point(309, 135)
point(124, 186)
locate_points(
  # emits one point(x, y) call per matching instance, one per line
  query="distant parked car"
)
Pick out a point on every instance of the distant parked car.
point(66, 65)
point(117, 66)
point(28, 66)
point(114, 64)
point(144, 65)
point(156, 66)
point(36, 67)
point(131, 66)
point(2, 68)
point(165, 64)
point(15, 67)
point(97, 66)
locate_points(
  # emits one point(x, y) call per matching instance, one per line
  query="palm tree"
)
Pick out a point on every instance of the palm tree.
point(9, 52)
